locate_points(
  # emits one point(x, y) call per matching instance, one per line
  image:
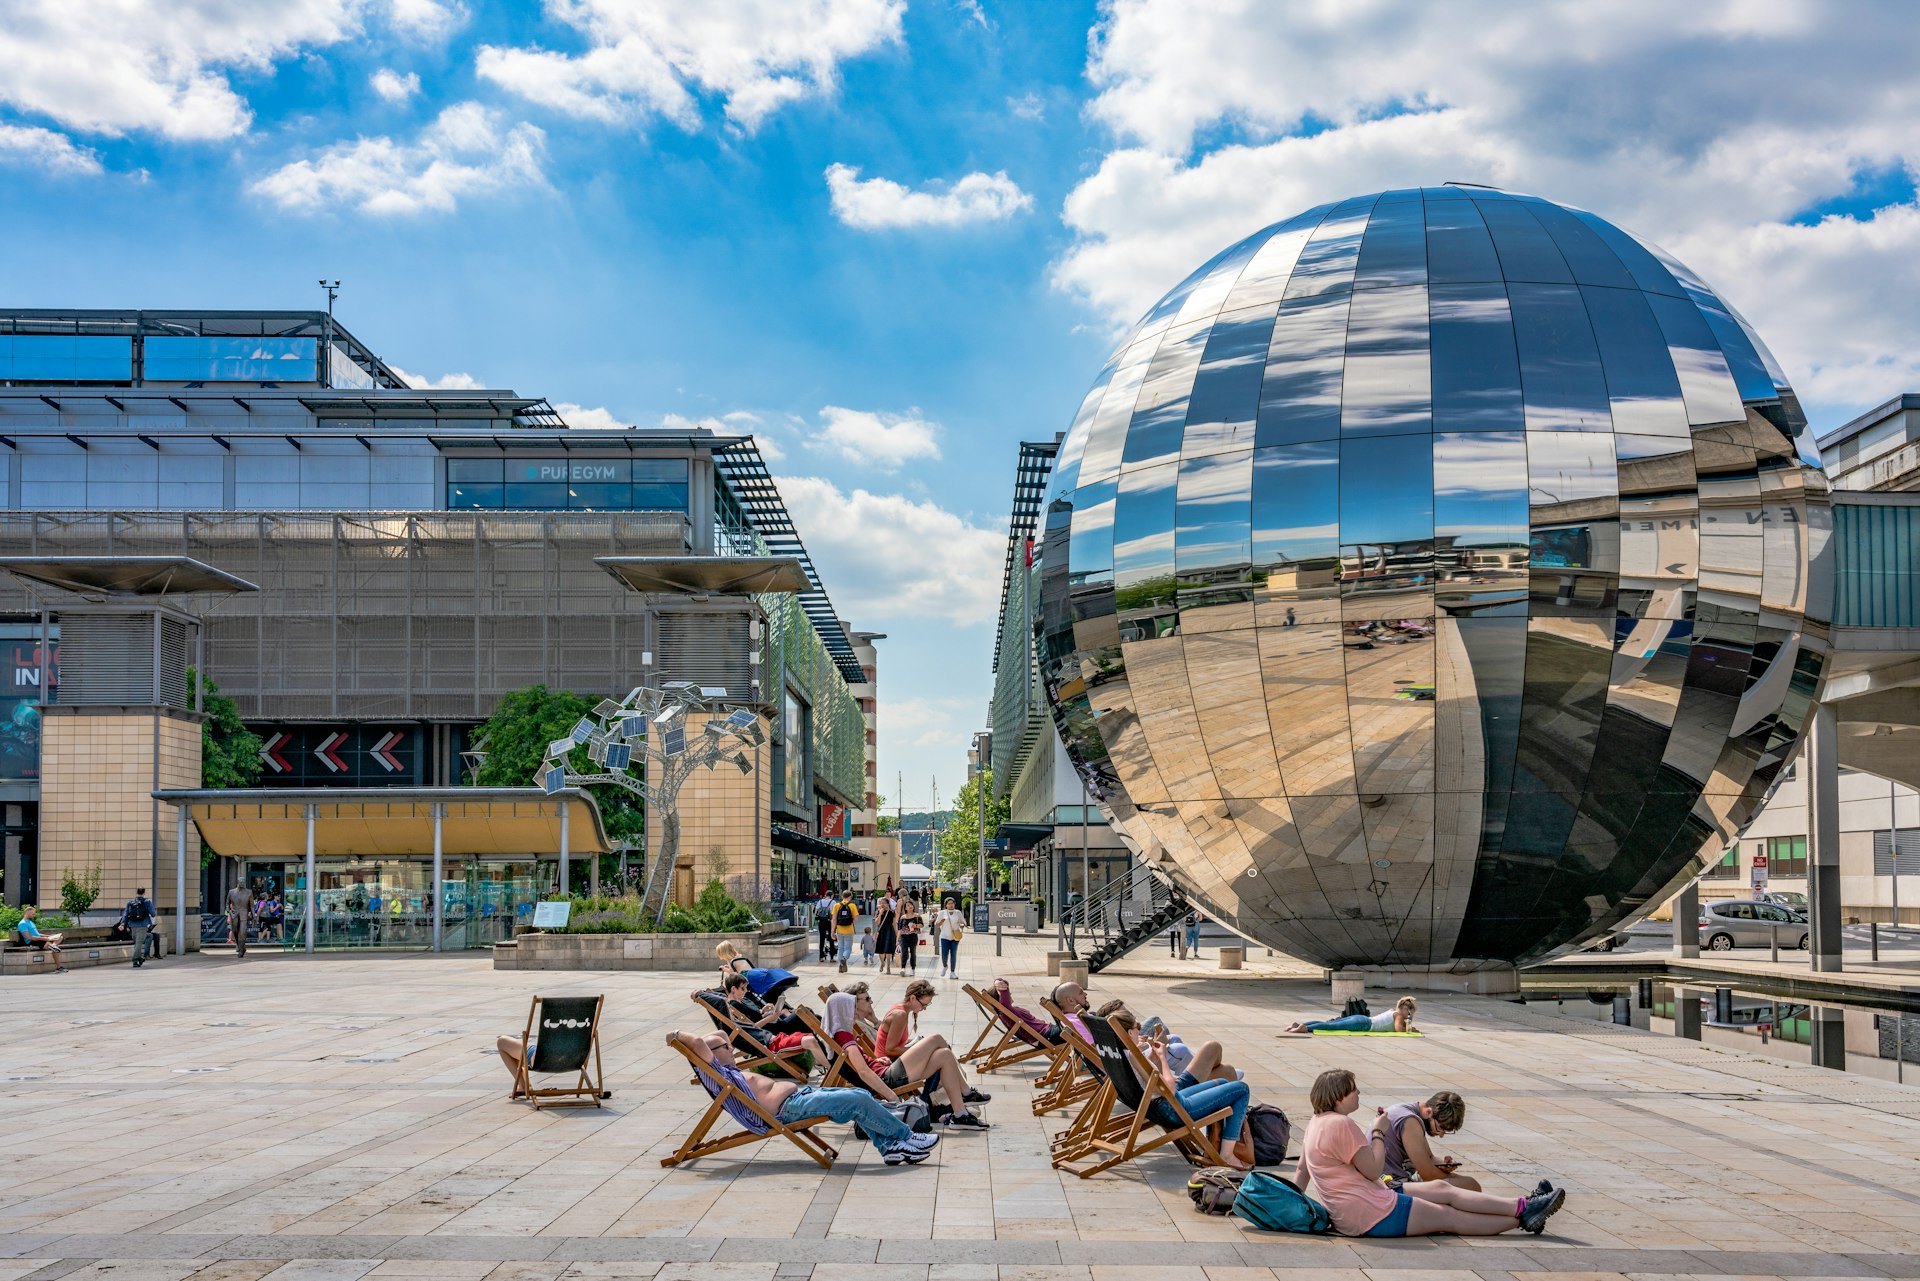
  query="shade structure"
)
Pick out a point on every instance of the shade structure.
point(719, 575)
point(125, 575)
point(1431, 577)
point(271, 823)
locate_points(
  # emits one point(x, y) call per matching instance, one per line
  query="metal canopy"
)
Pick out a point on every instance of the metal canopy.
point(270, 822)
point(1029, 488)
point(1023, 836)
point(746, 473)
point(125, 575)
point(799, 842)
point(718, 575)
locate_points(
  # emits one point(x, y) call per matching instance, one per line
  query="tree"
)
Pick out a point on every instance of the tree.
point(887, 823)
point(517, 735)
point(229, 751)
point(959, 847)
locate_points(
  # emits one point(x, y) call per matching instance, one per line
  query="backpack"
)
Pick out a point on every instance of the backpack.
point(914, 1113)
point(1271, 1133)
point(1356, 1005)
point(823, 909)
point(142, 906)
point(1274, 1205)
point(843, 915)
point(1214, 1187)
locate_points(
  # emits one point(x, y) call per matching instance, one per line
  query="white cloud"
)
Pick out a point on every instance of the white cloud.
point(445, 382)
point(584, 416)
point(650, 57)
point(393, 86)
point(877, 439)
point(874, 203)
point(113, 67)
point(1028, 106)
point(923, 722)
point(45, 149)
point(464, 152)
point(887, 555)
point(1645, 113)
point(426, 19)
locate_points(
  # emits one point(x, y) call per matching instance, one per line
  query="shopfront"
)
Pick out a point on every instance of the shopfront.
point(371, 875)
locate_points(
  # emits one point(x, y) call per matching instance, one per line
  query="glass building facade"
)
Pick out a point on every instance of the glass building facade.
point(1430, 577)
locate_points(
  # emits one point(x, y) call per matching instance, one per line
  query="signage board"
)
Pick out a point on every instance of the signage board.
point(982, 912)
point(551, 916)
point(833, 821)
point(1001, 843)
point(1759, 872)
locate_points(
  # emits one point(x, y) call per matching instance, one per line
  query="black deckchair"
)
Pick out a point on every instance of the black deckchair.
point(562, 1035)
point(1152, 1103)
point(756, 1123)
point(749, 1051)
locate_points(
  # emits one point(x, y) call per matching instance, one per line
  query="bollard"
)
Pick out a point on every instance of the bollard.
point(1231, 957)
point(1873, 933)
point(1774, 939)
point(1073, 972)
point(1622, 1012)
point(1723, 1005)
point(998, 928)
point(1053, 962)
point(1646, 994)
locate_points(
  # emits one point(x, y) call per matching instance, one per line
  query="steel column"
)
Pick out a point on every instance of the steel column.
point(566, 885)
point(179, 885)
point(1823, 839)
point(1686, 921)
point(439, 873)
point(313, 888)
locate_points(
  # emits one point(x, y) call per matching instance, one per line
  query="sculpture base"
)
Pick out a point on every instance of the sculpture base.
point(1493, 980)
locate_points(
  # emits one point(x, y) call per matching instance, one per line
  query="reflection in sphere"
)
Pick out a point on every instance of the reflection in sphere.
point(1425, 579)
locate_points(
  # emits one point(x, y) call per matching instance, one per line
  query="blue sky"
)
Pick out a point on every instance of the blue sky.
point(892, 239)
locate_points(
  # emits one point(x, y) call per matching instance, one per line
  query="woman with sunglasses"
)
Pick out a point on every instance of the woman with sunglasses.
point(1410, 1126)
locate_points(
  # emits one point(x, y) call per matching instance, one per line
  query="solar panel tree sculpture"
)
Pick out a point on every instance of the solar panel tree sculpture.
point(642, 743)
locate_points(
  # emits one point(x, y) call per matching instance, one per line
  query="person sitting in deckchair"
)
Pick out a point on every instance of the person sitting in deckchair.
point(1397, 1019)
point(790, 1101)
point(1033, 1028)
point(784, 1030)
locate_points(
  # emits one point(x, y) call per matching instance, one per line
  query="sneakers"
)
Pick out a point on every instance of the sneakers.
point(925, 1142)
point(966, 1121)
point(976, 1096)
point(1541, 1208)
point(843, 967)
point(906, 1154)
point(1541, 1188)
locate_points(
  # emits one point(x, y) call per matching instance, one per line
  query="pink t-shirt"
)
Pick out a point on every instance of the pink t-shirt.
point(1356, 1202)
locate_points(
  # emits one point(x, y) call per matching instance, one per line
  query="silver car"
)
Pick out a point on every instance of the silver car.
point(1749, 923)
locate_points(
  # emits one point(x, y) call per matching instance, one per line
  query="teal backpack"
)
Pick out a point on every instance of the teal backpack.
point(1275, 1205)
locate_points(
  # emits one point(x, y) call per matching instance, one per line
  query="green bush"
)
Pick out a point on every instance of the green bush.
point(77, 893)
point(10, 917)
point(714, 912)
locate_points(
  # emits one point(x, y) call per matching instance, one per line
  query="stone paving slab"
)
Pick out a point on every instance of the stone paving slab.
point(358, 1127)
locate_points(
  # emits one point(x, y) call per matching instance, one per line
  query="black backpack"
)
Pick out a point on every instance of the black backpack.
point(1271, 1133)
point(1356, 1005)
point(843, 915)
point(139, 911)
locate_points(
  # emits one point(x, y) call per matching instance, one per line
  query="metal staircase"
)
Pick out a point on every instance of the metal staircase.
point(1123, 914)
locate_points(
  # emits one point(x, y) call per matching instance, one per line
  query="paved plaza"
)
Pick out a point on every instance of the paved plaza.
point(333, 1118)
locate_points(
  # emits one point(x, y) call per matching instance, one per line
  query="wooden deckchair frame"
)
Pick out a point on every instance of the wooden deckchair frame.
point(586, 1091)
point(1086, 1082)
point(840, 1074)
point(697, 1144)
point(737, 1035)
point(1130, 1141)
point(1012, 1046)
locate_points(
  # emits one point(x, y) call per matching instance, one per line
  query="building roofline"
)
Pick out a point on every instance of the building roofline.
point(1885, 409)
point(199, 323)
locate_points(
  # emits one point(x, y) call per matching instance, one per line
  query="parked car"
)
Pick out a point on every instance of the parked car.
point(1750, 923)
point(1792, 900)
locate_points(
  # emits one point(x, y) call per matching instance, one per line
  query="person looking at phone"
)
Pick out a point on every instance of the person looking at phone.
point(1407, 1136)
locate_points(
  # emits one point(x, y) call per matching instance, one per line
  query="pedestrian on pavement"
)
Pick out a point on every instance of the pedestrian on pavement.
point(823, 921)
point(1195, 919)
point(239, 916)
point(910, 923)
point(846, 915)
point(949, 926)
point(30, 935)
point(138, 916)
point(886, 938)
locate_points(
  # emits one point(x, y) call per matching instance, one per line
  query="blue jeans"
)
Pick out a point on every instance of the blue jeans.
point(949, 954)
point(846, 946)
point(1211, 1096)
point(1349, 1023)
point(883, 1127)
point(1193, 940)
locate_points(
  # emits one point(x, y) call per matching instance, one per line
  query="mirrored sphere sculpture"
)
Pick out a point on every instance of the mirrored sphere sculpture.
point(1429, 579)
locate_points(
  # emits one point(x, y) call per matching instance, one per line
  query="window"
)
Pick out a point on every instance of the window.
point(246, 360)
point(1787, 856)
point(1726, 869)
point(65, 358)
point(794, 733)
point(568, 484)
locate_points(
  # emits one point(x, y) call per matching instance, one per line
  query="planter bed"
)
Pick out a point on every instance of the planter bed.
point(777, 950)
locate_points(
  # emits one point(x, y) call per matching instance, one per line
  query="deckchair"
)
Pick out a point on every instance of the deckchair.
point(750, 1054)
point(1152, 1103)
point(840, 1073)
point(756, 1123)
point(1015, 1042)
point(1075, 1075)
point(1087, 1082)
point(562, 1035)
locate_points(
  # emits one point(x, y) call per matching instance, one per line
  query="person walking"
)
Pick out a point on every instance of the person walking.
point(239, 917)
point(949, 927)
point(910, 922)
point(886, 938)
point(823, 922)
point(1195, 919)
point(846, 915)
point(138, 916)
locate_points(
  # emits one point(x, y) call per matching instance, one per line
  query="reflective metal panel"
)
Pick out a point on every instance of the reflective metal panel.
point(1513, 606)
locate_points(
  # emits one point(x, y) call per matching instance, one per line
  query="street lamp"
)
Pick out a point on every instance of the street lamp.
point(326, 347)
point(982, 751)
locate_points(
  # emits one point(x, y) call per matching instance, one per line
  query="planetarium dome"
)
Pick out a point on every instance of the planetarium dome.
point(1428, 580)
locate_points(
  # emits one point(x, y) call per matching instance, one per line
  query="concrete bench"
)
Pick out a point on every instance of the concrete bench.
point(74, 954)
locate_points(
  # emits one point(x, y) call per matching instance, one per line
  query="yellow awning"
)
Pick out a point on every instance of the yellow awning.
point(272, 823)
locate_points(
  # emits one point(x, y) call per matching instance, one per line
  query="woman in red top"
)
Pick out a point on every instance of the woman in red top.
point(930, 1057)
